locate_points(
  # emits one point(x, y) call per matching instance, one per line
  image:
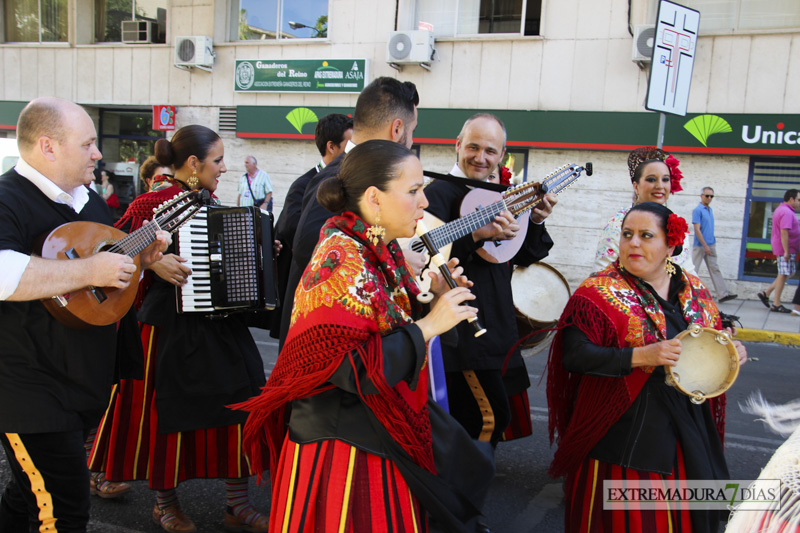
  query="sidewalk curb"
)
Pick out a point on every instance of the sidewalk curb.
point(760, 335)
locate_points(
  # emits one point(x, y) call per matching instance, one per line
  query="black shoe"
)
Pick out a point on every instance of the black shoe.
point(728, 297)
point(764, 300)
point(779, 309)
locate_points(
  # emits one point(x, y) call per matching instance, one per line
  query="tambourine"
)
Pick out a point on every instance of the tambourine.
point(708, 365)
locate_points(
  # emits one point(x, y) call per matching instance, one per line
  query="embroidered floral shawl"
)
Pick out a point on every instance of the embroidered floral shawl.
point(612, 308)
point(351, 293)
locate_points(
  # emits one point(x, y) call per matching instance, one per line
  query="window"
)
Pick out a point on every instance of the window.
point(469, 17)
point(32, 21)
point(742, 15)
point(769, 180)
point(126, 139)
point(516, 161)
point(278, 19)
point(109, 15)
point(127, 135)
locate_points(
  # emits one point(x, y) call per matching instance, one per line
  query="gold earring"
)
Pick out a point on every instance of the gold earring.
point(376, 232)
point(193, 181)
point(669, 266)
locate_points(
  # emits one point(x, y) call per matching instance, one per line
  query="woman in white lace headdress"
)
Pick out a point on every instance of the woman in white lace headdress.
point(784, 515)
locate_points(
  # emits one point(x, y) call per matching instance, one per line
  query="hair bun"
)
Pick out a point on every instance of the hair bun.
point(163, 152)
point(331, 194)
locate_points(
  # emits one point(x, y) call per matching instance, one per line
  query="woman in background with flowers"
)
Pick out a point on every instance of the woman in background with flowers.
point(654, 176)
point(501, 176)
point(610, 410)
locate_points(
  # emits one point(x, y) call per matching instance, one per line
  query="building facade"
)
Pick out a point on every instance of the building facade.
point(563, 75)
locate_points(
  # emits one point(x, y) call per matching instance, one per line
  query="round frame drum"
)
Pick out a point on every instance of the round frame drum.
point(708, 365)
point(540, 294)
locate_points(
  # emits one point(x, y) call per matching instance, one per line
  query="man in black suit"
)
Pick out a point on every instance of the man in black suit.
point(331, 136)
point(474, 366)
point(386, 109)
point(54, 380)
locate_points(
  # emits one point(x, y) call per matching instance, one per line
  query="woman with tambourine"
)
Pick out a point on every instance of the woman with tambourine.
point(611, 412)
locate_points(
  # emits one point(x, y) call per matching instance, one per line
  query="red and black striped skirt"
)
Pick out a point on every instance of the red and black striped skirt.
point(520, 425)
point(584, 502)
point(332, 487)
point(129, 447)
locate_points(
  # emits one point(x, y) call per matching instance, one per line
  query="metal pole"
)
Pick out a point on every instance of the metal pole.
point(662, 122)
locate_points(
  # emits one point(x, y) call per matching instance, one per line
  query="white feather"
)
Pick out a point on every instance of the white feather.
point(782, 419)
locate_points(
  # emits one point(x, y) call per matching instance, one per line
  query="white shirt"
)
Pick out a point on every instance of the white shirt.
point(15, 263)
point(457, 172)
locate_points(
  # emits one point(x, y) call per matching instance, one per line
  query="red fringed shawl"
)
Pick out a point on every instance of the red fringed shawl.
point(612, 308)
point(351, 293)
point(140, 210)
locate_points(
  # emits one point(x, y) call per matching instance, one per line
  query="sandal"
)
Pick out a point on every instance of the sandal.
point(764, 299)
point(100, 486)
point(779, 309)
point(173, 520)
point(248, 520)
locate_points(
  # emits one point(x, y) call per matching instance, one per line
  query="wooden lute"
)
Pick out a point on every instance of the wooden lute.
point(480, 207)
point(101, 306)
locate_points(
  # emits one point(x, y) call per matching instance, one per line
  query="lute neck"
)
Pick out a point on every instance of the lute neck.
point(133, 244)
point(454, 230)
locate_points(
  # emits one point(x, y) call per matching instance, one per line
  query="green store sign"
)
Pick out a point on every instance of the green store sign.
point(9, 113)
point(300, 75)
point(734, 134)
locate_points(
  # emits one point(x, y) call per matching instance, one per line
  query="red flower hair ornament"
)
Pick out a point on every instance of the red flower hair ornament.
point(675, 175)
point(677, 228)
point(505, 175)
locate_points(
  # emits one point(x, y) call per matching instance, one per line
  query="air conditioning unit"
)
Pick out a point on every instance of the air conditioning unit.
point(644, 37)
point(139, 31)
point(194, 51)
point(410, 47)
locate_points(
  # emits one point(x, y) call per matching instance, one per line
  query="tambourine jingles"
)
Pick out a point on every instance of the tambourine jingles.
point(708, 365)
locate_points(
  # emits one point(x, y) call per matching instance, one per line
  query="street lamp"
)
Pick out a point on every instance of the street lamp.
point(297, 25)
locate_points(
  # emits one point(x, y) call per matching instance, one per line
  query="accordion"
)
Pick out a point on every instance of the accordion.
point(229, 250)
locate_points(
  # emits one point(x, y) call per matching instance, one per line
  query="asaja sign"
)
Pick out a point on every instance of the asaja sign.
point(300, 75)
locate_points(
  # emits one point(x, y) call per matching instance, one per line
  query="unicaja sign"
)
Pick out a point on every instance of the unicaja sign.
point(765, 136)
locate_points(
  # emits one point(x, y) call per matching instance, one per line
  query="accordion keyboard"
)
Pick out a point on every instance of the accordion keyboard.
point(229, 250)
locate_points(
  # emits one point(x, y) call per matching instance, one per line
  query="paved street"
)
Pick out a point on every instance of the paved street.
point(523, 498)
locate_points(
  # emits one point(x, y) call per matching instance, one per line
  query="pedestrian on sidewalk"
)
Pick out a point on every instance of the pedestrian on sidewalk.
point(705, 248)
point(255, 186)
point(785, 246)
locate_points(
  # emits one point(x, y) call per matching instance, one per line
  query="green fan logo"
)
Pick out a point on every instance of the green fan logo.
point(704, 126)
point(300, 116)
